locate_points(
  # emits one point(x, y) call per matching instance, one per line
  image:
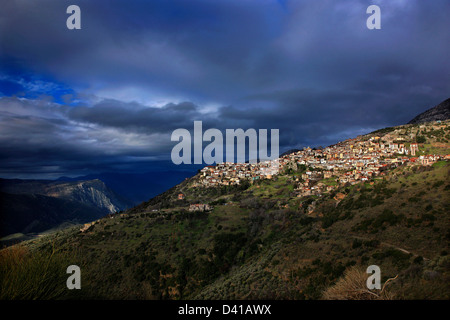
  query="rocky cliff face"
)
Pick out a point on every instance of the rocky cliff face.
point(91, 192)
point(30, 206)
point(439, 112)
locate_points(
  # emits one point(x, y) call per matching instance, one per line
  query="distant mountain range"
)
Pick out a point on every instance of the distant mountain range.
point(90, 192)
point(37, 205)
point(440, 112)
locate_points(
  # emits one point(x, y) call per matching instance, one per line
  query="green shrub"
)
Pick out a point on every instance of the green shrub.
point(421, 139)
point(386, 218)
point(398, 258)
point(438, 184)
point(356, 243)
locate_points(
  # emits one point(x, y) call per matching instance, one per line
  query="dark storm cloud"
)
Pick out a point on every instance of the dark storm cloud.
point(185, 48)
point(39, 137)
point(220, 51)
point(135, 117)
point(137, 70)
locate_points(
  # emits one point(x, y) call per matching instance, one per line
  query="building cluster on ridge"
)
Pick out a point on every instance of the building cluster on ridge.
point(350, 161)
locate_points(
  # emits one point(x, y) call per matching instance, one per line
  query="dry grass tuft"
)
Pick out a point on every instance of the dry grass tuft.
point(30, 276)
point(352, 286)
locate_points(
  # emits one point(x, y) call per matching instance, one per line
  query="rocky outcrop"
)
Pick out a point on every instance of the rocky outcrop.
point(440, 112)
point(31, 206)
point(90, 192)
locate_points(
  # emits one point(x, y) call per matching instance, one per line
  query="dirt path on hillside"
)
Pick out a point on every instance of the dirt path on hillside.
point(390, 246)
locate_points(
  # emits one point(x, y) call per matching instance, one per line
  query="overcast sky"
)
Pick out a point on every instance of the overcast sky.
point(107, 97)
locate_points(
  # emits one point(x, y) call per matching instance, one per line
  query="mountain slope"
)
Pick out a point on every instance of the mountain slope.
point(32, 213)
point(34, 206)
point(250, 247)
point(440, 112)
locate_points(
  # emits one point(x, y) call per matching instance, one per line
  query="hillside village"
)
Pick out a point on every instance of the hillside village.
point(315, 171)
